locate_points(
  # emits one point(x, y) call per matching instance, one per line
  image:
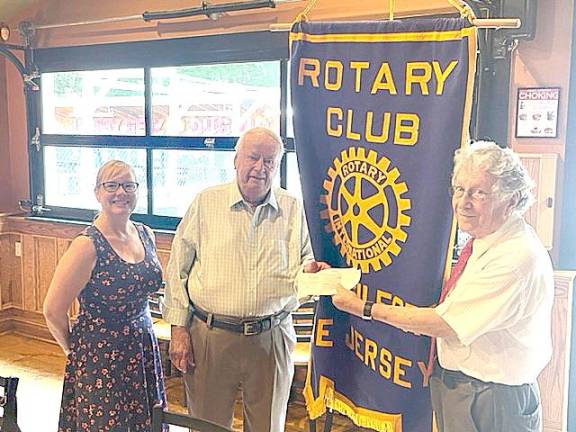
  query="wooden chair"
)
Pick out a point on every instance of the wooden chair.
point(161, 330)
point(303, 319)
point(8, 421)
point(160, 415)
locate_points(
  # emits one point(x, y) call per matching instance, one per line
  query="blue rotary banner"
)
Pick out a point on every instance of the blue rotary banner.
point(379, 109)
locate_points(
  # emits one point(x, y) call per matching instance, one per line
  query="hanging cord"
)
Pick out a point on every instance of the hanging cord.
point(464, 9)
point(303, 16)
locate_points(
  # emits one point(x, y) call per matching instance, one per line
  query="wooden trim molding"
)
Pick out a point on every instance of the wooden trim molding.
point(60, 229)
point(29, 324)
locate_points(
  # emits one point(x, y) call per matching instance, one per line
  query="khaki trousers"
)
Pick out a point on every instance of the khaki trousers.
point(260, 365)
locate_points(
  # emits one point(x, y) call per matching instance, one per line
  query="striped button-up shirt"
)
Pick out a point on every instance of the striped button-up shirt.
point(230, 259)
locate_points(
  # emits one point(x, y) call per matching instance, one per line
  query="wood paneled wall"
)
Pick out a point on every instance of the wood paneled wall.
point(24, 279)
point(24, 282)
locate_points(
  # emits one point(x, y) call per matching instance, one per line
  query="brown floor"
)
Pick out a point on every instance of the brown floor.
point(40, 366)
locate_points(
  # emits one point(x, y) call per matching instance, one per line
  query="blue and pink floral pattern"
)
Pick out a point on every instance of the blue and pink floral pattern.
point(113, 373)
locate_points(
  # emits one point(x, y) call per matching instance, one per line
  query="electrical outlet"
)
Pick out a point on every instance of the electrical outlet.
point(18, 249)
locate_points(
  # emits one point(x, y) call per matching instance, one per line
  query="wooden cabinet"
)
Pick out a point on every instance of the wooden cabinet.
point(543, 168)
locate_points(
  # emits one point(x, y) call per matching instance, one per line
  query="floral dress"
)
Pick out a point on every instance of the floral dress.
point(113, 374)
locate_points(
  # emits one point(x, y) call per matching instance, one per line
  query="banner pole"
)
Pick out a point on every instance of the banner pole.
point(329, 420)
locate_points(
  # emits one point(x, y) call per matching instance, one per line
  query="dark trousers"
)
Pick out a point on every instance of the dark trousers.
point(466, 404)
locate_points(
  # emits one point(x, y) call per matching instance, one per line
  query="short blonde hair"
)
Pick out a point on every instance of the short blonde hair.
point(111, 169)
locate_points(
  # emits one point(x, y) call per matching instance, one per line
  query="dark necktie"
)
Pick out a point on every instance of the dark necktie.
point(449, 286)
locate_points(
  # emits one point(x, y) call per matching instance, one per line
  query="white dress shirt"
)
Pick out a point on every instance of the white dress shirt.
point(232, 260)
point(500, 308)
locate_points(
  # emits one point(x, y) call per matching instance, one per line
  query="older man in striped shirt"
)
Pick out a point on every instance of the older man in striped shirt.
point(230, 290)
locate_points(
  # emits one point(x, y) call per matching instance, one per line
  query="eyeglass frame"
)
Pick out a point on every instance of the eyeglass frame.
point(470, 193)
point(118, 185)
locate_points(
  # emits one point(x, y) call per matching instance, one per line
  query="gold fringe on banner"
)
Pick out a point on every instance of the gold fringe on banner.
point(328, 398)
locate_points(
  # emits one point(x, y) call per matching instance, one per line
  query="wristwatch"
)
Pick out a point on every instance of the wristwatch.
point(367, 311)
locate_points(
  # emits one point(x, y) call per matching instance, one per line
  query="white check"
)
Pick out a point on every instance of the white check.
point(326, 281)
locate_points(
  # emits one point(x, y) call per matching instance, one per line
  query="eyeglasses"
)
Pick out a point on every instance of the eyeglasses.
point(268, 163)
point(112, 186)
point(476, 195)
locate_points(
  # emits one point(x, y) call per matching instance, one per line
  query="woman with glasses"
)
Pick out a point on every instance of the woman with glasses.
point(113, 376)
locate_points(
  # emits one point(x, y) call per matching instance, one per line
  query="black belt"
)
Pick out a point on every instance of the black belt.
point(247, 327)
point(452, 377)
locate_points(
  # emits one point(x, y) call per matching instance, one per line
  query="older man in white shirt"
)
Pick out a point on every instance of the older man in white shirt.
point(493, 325)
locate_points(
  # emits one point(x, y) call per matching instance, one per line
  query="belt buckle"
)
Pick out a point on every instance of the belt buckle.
point(209, 320)
point(252, 328)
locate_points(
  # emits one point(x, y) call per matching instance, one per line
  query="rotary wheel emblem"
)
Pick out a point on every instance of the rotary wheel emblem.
point(365, 210)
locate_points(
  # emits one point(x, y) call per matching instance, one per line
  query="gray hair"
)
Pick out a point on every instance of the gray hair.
point(261, 131)
point(512, 178)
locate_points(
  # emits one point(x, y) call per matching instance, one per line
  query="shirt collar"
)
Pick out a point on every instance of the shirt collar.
point(236, 200)
point(481, 245)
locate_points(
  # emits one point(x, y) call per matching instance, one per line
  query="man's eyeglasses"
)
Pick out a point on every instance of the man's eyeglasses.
point(112, 186)
point(476, 195)
point(268, 163)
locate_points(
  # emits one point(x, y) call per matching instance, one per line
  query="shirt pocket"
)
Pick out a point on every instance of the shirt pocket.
point(276, 271)
point(277, 255)
point(274, 259)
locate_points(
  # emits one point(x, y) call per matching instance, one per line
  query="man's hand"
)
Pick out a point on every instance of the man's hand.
point(348, 301)
point(181, 352)
point(315, 266)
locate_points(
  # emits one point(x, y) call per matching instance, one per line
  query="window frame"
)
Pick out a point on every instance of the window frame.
point(200, 50)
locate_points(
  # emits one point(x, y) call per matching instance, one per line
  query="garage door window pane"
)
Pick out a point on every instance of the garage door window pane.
point(71, 173)
point(109, 102)
point(221, 100)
